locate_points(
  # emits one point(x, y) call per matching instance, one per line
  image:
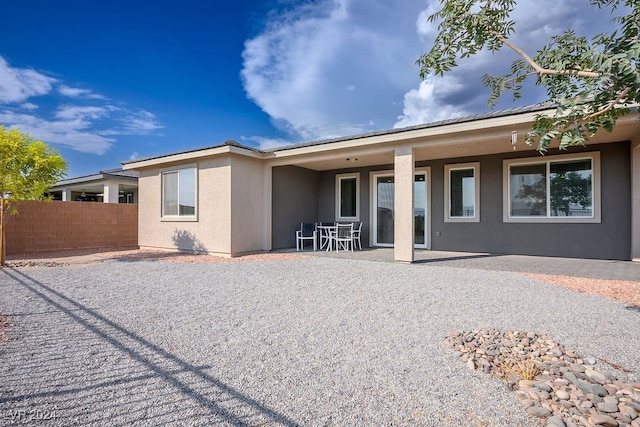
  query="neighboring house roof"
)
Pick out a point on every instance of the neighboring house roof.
point(118, 173)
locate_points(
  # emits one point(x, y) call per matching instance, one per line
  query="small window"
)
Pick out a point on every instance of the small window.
point(179, 193)
point(462, 192)
point(348, 197)
point(560, 189)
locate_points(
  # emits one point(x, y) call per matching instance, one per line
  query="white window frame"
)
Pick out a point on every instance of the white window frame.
point(178, 218)
point(447, 192)
point(373, 211)
point(339, 178)
point(594, 156)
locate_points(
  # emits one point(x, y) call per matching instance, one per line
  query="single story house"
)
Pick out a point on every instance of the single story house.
point(458, 185)
point(107, 186)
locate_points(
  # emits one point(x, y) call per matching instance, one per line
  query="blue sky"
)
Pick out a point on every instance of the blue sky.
point(104, 82)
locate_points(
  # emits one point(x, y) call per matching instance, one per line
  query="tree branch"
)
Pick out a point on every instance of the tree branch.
point(544, 71)
point(611, 105)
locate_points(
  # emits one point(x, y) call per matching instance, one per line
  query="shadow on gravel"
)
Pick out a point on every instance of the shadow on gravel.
point(139, 380)
point(153, 256)
point(455, 258)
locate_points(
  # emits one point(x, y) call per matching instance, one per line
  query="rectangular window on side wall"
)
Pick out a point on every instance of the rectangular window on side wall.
point(179, 194)
point(462, 192)
point(562, 188)
point(348, 197)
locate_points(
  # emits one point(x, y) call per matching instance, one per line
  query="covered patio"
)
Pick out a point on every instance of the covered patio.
point(401, 185)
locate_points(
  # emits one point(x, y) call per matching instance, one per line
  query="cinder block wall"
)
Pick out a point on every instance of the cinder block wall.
point(54, 226)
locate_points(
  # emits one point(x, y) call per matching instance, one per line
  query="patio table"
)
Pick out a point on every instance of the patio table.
point(325, 234)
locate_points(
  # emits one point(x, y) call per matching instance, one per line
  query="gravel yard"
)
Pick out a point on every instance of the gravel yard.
point(292, 341)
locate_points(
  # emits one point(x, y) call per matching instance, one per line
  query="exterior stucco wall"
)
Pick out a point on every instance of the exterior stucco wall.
point(295, 200)
point(247, 201)
point(211, 232)
point(609, 239)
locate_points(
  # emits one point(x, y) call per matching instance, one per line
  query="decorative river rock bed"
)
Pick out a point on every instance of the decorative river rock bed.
point(553, 382)
point(21, 264)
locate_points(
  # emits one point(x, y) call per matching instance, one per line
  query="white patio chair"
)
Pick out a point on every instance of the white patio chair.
point(307, 232)
point(344, 236)
point(355, 234)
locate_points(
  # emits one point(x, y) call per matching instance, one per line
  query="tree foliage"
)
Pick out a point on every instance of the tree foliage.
point(28, 168)
point(591, 82)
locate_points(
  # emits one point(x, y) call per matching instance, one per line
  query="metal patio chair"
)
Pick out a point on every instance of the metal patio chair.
point(344, 237)
point(307, 232)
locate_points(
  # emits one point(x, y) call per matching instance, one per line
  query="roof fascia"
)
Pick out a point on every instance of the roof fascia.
point(79, 180)
point(401, 136)
point(190, 156)
point(92, 182)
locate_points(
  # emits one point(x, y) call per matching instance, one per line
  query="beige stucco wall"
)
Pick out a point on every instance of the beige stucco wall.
point(247, 205)
point(212, 229)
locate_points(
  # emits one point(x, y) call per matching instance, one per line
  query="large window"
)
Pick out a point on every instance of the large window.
point(179, 193)
point(462, 192)
point(348, 197)
point(558, 189)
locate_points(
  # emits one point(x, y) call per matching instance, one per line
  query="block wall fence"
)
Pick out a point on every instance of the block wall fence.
point(41, 227)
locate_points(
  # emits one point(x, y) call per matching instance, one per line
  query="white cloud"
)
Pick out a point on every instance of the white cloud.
point(134, 156)
point(69, 133)
point(88, 129)
point(267, 143)
point(74, 92)
point(81, 113)
point(19, 84)
point(421, 105)
point(334, 68)
point(90, 124)
point(140, 122)
point(425, 29)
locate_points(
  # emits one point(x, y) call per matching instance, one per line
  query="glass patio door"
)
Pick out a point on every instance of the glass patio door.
point(384, 212)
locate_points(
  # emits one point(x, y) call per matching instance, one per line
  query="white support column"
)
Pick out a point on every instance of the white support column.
point(66, 195)
point(635, 200)
point(403, 223)
point(110, 193)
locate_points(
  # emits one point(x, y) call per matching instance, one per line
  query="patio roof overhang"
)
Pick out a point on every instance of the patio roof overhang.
point(471, 136)
point(474, 138)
